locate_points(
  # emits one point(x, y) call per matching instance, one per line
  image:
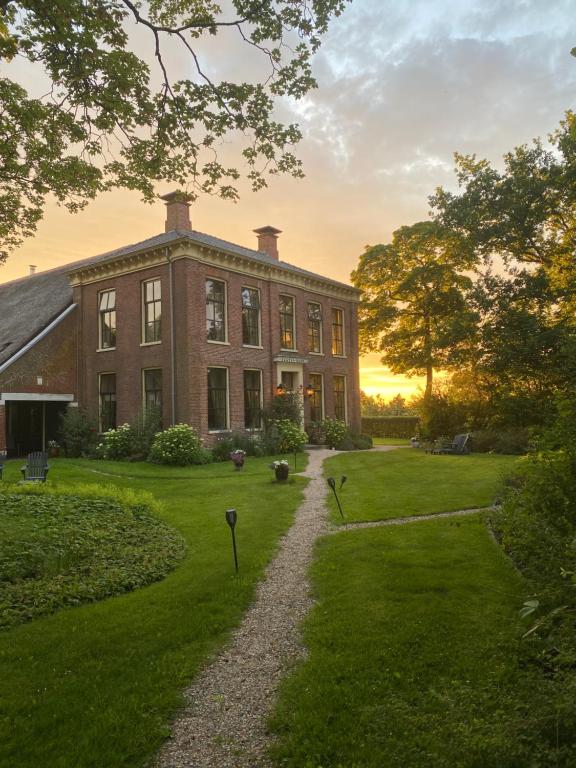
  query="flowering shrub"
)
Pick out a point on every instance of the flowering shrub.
point(179, 445)
point(279, 463)
point(292, 439)
point(334, 431)
point(117, 443)
point(237, 456)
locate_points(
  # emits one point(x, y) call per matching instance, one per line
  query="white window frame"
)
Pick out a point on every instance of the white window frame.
point(295, 347)
point(341, 376)
point(99, 294)
point(261, 403)
point(318, 304)
point(143, 284)
point(100, 374)
point(323, 393)
point(227, 427)
point(226, 342)
point(151, 368)
point(259, 345)
point(340, 309)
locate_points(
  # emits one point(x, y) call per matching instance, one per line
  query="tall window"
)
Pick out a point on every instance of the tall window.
point(107, 319)
point(152, 311)
point(251, 317)
point(107, 393)
point(252, 399)
point(153, 389)
point(340, 397)
point(316, 399)
point(314, 327)
point(217, 398)
point(337, 331)
point(215, 310)
point(287, 322)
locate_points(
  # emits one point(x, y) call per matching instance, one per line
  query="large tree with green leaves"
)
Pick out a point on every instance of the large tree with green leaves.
point(105, 116)
point(414, 308)
point(525, 213)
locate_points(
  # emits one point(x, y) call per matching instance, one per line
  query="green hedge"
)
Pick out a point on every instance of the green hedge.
point(390, 426)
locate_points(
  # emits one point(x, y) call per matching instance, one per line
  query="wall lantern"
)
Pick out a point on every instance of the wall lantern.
point(280, 389)
point(309, 391)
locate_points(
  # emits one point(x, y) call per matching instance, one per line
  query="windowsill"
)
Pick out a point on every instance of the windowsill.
point(106, 349)
point(284, 349)
point(253, 346)
point(150, 343)
point(342, 357)
point(222, 343)
point(224, 431)
point(318, 354)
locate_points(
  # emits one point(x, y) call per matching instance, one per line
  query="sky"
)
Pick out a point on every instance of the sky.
point(402, 85)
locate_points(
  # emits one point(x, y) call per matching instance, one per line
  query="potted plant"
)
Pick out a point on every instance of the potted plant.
point(53, 449)
point(281, 469)
point(237, 456)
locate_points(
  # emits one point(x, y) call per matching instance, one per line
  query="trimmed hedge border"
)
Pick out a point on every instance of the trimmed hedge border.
point(390, 426)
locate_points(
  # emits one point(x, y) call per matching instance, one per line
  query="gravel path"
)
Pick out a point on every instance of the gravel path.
point(223, 724)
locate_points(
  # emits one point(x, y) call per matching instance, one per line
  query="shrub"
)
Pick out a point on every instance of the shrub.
point(250, 444)
point(78, 434)
point(65, 547)
point(287, 406)
point(315, 433)
point(144, 429)
point(334, 431)
point(117, 443)
point(179, 445)
point(292, 438)
point(509, 441)
point(355, 442)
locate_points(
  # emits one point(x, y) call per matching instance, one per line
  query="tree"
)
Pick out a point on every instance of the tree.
point(103, 123)
point(414, 307)
point(526, 213)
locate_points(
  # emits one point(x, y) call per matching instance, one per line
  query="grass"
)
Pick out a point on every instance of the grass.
point(382, 485)
point(97, 685)
point(412, 655)
point(391, 441)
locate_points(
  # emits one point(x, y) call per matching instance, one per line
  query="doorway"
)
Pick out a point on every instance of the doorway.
point(31, 424)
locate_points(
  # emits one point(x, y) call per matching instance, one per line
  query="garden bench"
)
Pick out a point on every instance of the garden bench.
point(36, 467)
point(460, 445)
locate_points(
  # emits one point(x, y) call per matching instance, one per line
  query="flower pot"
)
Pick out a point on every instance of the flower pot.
point(282, 472)
point(238, 465)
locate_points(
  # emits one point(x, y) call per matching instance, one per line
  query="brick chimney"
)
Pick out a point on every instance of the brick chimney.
point(268, 241)
point(177, 210)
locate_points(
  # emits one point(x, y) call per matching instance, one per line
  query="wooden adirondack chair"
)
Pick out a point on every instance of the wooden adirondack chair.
point(36, 467)
point(460, 445)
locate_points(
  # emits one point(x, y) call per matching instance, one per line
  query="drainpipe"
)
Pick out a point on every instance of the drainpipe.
point(172, 335)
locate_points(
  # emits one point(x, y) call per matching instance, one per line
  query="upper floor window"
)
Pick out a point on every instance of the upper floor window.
point(107, 319)
point(287, 339)
point(215, 310)
point(251, 317)
point(253, 399)
point(337, 331)
point(107, 398)
point(340, 397)
point(317, 398)
point(314, 327)
point(152, 311)
point(152, 383)
point(217, 398)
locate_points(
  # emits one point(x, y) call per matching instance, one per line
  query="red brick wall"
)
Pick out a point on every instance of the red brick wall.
point(194, 354)
point(53, 359)
point(2, 428)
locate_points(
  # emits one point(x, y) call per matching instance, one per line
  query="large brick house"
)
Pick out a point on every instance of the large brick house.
point(205, 329)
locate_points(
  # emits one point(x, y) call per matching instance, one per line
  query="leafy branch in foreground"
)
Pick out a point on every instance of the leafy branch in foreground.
point(102, 122)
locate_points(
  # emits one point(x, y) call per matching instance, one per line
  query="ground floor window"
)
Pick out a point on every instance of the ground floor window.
point(217, 398)
point(107, 401)
point(316, 397)
point(153, 390)
point(340, 397)
point(252, 399)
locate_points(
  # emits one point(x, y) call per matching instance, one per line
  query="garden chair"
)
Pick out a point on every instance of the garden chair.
point(36, 467)
point(459, 446)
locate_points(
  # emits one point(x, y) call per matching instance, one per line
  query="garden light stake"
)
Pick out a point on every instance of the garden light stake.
point(332, 484)
point(231, 518)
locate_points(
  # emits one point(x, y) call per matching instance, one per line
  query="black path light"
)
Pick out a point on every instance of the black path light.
point(231, 518)
point(332, 483)
point(342, 481)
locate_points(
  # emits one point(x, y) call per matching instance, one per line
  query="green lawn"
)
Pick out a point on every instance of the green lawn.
point(413, 655)
point(402, 483)
point(96, 686)
point(390, 441)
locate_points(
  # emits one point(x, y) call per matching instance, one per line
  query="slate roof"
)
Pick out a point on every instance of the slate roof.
point(31, 303)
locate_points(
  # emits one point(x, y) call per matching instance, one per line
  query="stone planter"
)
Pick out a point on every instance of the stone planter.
point(282, 473)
